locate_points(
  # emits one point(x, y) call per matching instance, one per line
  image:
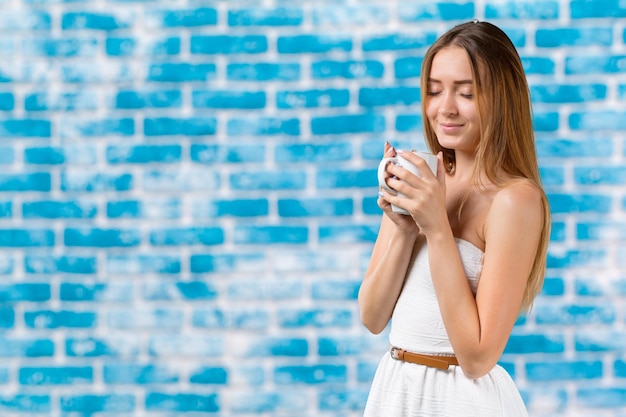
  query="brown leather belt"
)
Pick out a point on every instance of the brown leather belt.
point(434, 361)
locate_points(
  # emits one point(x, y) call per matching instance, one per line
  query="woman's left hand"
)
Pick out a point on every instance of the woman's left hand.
point(425, 197)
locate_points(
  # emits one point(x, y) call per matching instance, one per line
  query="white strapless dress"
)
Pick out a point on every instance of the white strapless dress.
point(401, 389)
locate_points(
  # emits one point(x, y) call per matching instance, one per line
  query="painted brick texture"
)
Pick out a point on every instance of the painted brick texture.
point(188, 200)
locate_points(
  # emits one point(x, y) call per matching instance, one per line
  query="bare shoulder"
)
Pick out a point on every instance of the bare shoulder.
point(518, 205)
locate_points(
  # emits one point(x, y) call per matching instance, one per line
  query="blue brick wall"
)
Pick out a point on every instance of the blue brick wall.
point(188, 200)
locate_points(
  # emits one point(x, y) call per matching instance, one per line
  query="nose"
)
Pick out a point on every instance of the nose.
point(447, 105)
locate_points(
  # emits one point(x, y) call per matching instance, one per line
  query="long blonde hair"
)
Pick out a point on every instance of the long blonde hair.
point(506, 150)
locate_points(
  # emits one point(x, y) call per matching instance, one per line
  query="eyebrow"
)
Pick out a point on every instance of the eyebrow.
point(459, 82)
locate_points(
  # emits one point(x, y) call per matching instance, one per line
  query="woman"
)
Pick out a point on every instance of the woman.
point(454, 275)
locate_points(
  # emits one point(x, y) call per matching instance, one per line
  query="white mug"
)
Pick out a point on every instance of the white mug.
point(398, 160)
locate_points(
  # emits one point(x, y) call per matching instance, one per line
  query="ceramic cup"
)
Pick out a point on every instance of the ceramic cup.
point(398, 160)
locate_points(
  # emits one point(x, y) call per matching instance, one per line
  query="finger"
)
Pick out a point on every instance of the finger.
point(441, 170)
point(390, 151)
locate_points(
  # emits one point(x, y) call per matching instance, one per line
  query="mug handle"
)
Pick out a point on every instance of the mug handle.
point(381, 172)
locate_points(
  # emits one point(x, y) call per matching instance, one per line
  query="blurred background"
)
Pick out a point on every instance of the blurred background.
point(188, 200)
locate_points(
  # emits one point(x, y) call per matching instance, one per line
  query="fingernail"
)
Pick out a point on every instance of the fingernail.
point(381, 194)
point(400, 151)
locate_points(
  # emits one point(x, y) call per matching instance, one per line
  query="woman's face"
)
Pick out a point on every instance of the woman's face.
point(450, 101)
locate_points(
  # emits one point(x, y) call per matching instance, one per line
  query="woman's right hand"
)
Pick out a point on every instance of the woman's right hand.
point(400, 220)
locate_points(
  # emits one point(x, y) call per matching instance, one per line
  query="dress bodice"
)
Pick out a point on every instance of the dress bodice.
point(416, 323)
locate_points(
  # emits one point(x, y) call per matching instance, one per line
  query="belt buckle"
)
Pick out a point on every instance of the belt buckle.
point(395, 353)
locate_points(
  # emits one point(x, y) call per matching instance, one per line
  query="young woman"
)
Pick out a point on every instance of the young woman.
point(454, 275)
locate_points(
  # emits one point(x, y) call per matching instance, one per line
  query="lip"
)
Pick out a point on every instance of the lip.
point(450, 128)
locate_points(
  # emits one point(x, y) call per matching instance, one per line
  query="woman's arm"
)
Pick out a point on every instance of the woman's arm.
point(385, 275)
point(479, 327)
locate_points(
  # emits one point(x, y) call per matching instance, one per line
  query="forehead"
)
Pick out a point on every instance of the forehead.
point(451, 63)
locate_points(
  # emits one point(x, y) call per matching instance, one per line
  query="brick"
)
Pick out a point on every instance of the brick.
point(343, 400)
point(181, 18)
point(38, 182)
point(265, 126)
point(7, 101)
point(600, 230)
point(335, 290)
point(27, 20)
point(156, 401)
point(101, 238)
point(144, 318)
point(538, 65)
point(315, 207)
point(25, 128)
point(145, 46)
point(26, 403)
point(152, 208)
point(407, 67)
point(319, 318)
point(25, 238)
point(605, 398)
point(90, 347)
point(7, 317)
point(59, 210)
point(187, 236)
point(70, 375)
point(210, 376)
point(350, 69)
point(61, 101)
point(579, 314)
point(312, 98)
point(596, 8)
point(579, 203)
point(313, 44)
point(202, 209)
point(60, 48)
point(102, 403)
point(86, 127)
point(128, 373)
point(263, 235)
point(283, 16)
point(167, 126)
point(568, 93)
point(125, 100)
point(234, 319)
point(564, 370)
point(573, 148)
point(228, 99)
point(275, 290)
point(389, 96)
point(341, 178)
point(594, 64)
point(177, 180)
point(190, 291)
point(567, 37)
point(228, 44)
point(143, 154)
point(24, 292)
point(350, 15)
point(79, 180)
point(577, 258)
point(48, 319)
point(143, 264)
point(399, 41)
point(313, 153)
point(437, 11)
point(535, 343)
point(26, 348)
point(599, 341)
point(268, 180)
point(348, 123)
point(96, 21)
point(197, 345)
point(313, 374)
point(348, 233)
point(69, 155)
point(181, 72)
point(263, 72)
point(98, 291)
point(546, 10)
point(262, 402)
